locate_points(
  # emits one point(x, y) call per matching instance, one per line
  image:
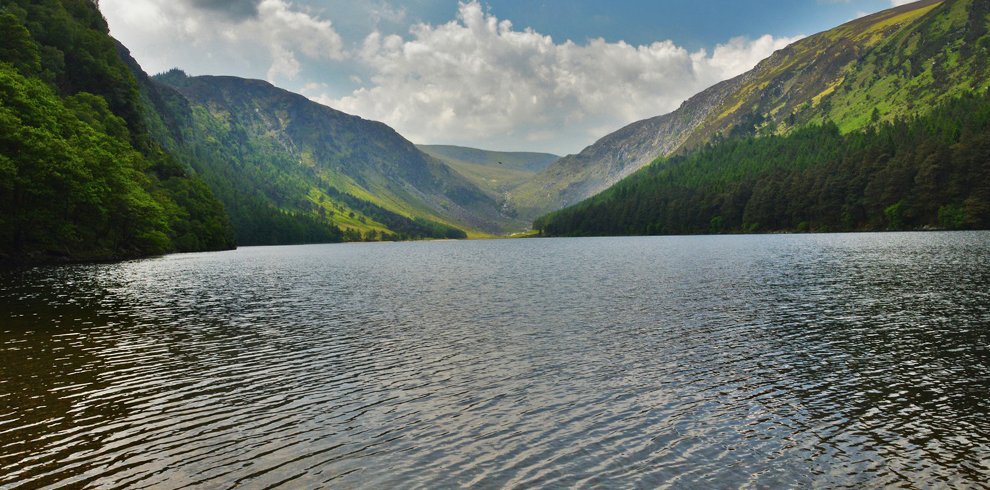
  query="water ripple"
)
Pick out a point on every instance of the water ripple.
point(773, 361)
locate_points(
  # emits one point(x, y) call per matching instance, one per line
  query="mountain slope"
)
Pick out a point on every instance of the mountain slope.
point(495, 172)
point(610, 159)
point(930, 171)
point(255, 218)
point(342, 167)
point(895, 63)
point(81, 177)
point(512, 160)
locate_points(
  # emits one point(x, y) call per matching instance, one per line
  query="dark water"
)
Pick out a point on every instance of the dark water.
point(699, 362)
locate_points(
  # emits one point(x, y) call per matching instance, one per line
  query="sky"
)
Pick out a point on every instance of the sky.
point(511, 75)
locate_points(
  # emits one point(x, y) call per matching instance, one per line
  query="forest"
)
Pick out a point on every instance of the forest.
point(80, 177)
point(923, 172)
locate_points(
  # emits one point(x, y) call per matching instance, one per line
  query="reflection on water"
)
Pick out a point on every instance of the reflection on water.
point(836, 360)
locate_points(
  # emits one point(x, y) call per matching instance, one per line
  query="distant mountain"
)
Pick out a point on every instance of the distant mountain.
point(310, 160)
point(496, 172)
point(513, 160)
point(612, 158)
point(878, 124)
point(895, 63)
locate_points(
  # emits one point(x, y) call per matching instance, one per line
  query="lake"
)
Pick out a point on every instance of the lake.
point(690, 362)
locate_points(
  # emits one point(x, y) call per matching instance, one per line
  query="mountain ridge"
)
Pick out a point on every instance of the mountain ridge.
point(880, 123)
point(334, 153)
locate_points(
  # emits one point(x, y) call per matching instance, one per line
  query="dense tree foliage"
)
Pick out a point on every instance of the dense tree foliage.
point(70, 187)
point(80, 176)
point(931, 171)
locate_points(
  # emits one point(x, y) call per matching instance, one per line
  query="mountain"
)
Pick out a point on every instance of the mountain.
point(930, 171)
point(496, 172)
point(309, 159)
point(895, 63)
point(882, 123)
point(81, 178)
point(511, 160)
point(256, 219)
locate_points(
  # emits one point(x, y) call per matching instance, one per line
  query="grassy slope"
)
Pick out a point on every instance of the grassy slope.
point(495, 172)
point(899, 62)
point(285, 187)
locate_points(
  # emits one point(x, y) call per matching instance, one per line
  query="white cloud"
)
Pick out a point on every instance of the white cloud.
point(273, 34)
point(385, 12)
point(476, 80)
point(898, 3)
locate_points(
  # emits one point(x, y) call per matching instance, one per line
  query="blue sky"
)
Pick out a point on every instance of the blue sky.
point(546, 75)
point(691, 23)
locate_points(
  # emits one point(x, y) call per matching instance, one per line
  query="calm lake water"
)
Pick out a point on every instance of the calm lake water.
point(697, 362)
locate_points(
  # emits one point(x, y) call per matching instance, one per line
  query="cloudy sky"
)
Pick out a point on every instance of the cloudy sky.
point(551, 75)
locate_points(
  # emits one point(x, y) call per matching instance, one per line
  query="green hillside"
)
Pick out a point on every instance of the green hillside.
point(100, 161)
point(896, 63)
point(835, 132)
point(930, 171)
point(81, 178)
point(311, 160)
point(900, 62)
point(271, 197)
